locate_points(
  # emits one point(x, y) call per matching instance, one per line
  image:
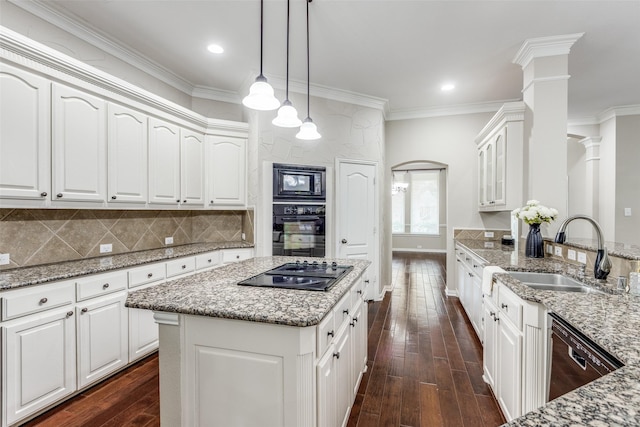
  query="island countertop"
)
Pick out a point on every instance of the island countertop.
point(215, 293)
point(611, 320)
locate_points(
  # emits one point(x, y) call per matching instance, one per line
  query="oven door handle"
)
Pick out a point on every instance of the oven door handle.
point(296, 218)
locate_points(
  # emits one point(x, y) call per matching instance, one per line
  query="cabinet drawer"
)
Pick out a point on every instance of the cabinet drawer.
point(342, 312)
point(146, 274)
point(102, 284)
point(38, 298)
point(511, 306)
point(326, 332)
point(210, 259)
point(181, 266)
point(358, 291)
point(234, 255)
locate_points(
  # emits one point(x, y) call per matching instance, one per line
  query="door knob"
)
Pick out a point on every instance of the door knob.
point(344, 240)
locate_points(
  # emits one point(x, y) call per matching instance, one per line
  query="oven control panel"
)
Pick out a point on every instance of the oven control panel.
point(302, 210)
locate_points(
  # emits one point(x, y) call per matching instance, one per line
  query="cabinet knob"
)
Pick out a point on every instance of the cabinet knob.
point(84, 310)
point(105, 286)
point(336, 355)
point(366, 281)
point(344, 241)
point(505, 306)
point(59, 195)
point(355, 319)
point(184, 201)
point(43, 194)
point(492, 314)
point(43, 301)
point(496, 319)
point(237, 256)
point(345, 312)
point(113, 197)
point(69, 313)
point(211, 202)
point(470, 274)
point(475, 265)
point(184, 266)
point(209, 261)
point(149, 276)
point(359, 291)
point(178, 201)
point(353, 324)
point(330, 334)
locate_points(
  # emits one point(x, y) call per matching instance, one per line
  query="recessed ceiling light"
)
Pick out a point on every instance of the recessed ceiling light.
point(447, 87)
point(215, 48)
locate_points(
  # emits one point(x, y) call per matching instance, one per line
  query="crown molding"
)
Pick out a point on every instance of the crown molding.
point(453, 110)
point(508, 112)
point(545, 46)
point(613, 112)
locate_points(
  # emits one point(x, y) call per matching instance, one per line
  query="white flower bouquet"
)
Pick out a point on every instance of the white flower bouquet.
point(535, 213)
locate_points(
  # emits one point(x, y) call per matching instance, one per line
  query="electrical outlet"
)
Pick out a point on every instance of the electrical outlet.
point(488, 234)
point(5, 259)
point(168, 240)
point(488, 245)
point(627, 211)
point(571, 254)
point(106, 248)
point(550, 249)
point(558, 250)
point(582, 257)
point(419, 247)
point(244, 236)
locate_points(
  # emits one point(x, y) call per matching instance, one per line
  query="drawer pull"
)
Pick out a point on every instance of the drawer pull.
point(353, 324)
point(150, 275)
point(113, 197)
point(336, 355)
point(359, 291)
point(59, 195)
point(184, 266)
point(105, 286)
point(84, 310)
point(496, 319)
point(209, 260)
point(330, 334)
point(470, 274)
point(355, 319)
point(43, 194)
point(69, 313)
point(345, 312)
point(475, 265)
point(366, 281)
point(492, 314)
point(505, 306)
point(43, 301)
point(237, 256)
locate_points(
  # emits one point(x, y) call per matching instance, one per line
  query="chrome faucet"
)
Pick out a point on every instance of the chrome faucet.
point(602, 265)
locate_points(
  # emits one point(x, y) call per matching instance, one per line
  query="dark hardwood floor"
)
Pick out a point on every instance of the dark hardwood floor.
point(424, 369)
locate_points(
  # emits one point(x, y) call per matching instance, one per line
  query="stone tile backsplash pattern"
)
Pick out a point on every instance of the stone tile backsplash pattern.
point(42, 236)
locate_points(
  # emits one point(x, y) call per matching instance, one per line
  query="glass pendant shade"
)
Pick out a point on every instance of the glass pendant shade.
point(261, 96)
point(308, 130)
point(287, 116)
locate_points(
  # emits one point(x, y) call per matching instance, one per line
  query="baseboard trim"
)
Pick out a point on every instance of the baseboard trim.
point(450, 292)
point(435, 251)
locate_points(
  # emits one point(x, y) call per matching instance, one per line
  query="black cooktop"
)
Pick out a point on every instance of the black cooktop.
point(313, 276)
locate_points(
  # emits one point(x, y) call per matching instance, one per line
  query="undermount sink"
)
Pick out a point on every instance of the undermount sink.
point(551, 282)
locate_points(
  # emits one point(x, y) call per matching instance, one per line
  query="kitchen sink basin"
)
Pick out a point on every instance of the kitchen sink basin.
point(551, 282)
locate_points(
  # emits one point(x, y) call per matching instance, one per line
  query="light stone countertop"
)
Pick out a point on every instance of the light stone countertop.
point(612, 320)
point(215, 293)
point(28, 276)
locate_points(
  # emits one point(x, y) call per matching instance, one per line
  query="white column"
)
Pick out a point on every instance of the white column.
point(544, 63)
point(592, 174)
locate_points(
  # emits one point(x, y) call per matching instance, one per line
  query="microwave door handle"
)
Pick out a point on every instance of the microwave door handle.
point(309, 218)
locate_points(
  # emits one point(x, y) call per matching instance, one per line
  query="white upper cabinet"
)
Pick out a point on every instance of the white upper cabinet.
point(25, 136)
point(127, 151)
point(192, 167)
point(501, 160)
point(164, 162)
point(227, 169)
point(79, 146)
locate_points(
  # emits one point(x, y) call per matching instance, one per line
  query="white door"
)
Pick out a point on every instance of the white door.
point(192, 168)
point(25, 134)
point(127, 149)
point(357, 216)
point(102, 337)
point(40, 361)
point(164, 162)
point(79, 146)
point(227, 169)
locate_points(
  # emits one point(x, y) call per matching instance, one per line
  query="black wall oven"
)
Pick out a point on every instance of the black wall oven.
point(299, 183)
point(298, 230)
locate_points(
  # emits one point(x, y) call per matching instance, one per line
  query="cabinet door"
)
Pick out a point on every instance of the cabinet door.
point(79, 146)
point(462, 274)
point(344, 388)
point(508, 382)
point(40, 355)
point(476, 298)
point(127, 155)
point(102, 338)
point(192, 167)
point(482, 193)
point(489, 359)
point(359, 345)
point(326, 378)
point(227, 160)
point(164, 162)
point(489, 179)
point(25, 136)
point(499, 191)
point(143, 333)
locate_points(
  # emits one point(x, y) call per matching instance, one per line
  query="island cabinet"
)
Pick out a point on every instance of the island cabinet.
point(229, 372)
point(469, 281)
point(515, 351)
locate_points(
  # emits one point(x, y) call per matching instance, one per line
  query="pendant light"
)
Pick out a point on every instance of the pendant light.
point(261, 93)
point(287, 115)
point(308, 130)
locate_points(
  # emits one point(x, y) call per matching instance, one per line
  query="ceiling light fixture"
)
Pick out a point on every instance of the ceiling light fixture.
point(261, 93)
point(447, 87)
point(308, 130)
point(287, 115)
point(215, 48)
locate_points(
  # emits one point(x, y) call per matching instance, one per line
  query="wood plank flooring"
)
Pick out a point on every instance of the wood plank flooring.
point(424, 369)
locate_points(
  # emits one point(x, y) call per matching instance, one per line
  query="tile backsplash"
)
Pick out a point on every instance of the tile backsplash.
point(41, 236)
point(478, 234)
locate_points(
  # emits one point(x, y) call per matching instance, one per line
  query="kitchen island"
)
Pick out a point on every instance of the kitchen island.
point(240, 355)
point(611, 319)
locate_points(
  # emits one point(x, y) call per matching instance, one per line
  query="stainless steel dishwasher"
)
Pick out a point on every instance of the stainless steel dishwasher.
point(575, 359)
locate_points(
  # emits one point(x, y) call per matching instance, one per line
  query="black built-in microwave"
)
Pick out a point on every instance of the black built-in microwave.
point(297, 182)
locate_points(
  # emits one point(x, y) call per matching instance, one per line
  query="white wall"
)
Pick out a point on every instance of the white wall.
point(627, 185)
point(578, 201)
point(606, 215)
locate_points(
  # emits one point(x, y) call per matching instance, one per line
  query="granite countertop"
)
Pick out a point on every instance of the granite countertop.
point(27, 276)
point(610, 319)
point(215, 293)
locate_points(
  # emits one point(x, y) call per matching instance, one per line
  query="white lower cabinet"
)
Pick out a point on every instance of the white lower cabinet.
point(40, 362)
point(102, 337)
point(469, 282)
point(509, 381)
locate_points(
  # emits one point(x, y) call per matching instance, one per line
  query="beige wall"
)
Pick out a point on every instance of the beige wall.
point(627, 185)
point(42, 236)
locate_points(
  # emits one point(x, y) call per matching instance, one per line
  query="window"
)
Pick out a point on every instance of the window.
point(416, 208)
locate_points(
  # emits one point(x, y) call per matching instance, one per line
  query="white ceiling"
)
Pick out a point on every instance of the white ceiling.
point(393, 50)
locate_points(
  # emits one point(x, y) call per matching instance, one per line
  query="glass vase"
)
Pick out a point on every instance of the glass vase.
point(535, 246)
